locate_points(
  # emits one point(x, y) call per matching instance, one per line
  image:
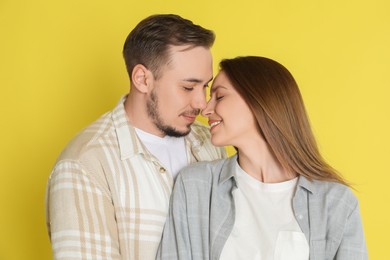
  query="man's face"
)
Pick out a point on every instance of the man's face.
point(178, 96)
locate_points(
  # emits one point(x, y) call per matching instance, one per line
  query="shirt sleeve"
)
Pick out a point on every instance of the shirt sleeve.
point(353, 244)
point(175, 243)
point(80, 215)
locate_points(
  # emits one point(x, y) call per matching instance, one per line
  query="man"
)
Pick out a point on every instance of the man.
point(108, 193)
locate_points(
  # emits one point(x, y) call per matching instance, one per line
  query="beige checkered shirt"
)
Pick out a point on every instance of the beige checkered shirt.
point(108, 197)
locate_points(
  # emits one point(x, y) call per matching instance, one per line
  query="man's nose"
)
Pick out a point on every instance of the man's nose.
point(199, 101)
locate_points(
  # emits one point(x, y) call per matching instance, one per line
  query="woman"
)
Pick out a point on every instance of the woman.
point(276, 198)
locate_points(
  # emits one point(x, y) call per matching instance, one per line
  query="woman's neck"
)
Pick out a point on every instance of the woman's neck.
point(257, 160)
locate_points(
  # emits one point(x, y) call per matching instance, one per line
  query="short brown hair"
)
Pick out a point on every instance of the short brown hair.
point(148, 43)
point(273, 95)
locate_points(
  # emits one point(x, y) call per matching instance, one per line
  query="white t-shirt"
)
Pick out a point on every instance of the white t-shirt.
point(170, 151)
point(265, 226)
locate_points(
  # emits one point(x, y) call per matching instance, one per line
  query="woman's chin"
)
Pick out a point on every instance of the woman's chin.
point(218, 143)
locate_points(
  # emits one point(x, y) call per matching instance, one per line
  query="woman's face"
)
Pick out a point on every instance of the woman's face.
point(230, 119)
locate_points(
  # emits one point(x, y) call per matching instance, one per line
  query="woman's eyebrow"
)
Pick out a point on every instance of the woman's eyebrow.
point(213, 89)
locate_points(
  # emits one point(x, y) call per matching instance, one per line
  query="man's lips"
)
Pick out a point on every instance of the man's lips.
point(189, 117)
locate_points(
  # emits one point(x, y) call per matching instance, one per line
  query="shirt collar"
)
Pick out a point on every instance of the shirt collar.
point(195, 140)
point(306, 184)
point(229, 167)
point(129, 143)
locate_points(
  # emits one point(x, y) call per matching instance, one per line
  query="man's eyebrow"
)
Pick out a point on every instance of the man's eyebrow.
point(194, 80)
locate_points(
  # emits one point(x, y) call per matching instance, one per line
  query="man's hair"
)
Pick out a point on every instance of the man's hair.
point(148, 43)
point(274, 98)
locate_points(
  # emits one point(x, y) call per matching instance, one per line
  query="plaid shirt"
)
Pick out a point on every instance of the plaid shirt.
point(108, 197)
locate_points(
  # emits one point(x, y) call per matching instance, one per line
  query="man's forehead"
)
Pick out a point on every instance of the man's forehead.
point(190, 64)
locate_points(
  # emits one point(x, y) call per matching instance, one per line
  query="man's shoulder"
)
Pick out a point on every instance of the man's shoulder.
point(88, 139)
point(200, 129)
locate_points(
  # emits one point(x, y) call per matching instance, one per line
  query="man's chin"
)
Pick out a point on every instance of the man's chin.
point(174, 132)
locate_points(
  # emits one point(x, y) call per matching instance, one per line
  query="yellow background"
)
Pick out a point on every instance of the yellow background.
point(61, 67)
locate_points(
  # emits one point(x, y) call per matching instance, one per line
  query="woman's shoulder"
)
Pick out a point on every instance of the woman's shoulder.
point(334, 192)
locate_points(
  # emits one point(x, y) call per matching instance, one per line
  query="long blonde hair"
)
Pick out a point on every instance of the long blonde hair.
point(272, 94)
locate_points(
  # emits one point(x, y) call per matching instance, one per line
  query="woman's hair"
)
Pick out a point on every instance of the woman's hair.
point(272, 94)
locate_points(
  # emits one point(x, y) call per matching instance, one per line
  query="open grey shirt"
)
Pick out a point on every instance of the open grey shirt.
point(202, 211)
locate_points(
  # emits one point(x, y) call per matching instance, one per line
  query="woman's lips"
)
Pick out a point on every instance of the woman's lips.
point(214, 123)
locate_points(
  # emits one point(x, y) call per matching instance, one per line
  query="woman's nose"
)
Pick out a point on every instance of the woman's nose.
point(209, 109)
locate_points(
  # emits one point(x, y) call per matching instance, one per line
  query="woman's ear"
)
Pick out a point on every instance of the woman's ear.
point(140, 78)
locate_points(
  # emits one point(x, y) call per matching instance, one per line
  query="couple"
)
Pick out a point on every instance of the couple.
point(109, 193)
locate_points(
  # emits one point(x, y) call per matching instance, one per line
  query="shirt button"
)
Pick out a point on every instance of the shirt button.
point(162, 170)
point(300, 216)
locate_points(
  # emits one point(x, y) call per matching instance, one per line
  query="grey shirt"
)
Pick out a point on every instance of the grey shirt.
point(202, 211)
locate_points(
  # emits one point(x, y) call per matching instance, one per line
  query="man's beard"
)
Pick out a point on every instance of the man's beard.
point(152, 108)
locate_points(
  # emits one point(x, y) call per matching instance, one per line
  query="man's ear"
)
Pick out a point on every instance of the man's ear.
point(141, 78)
